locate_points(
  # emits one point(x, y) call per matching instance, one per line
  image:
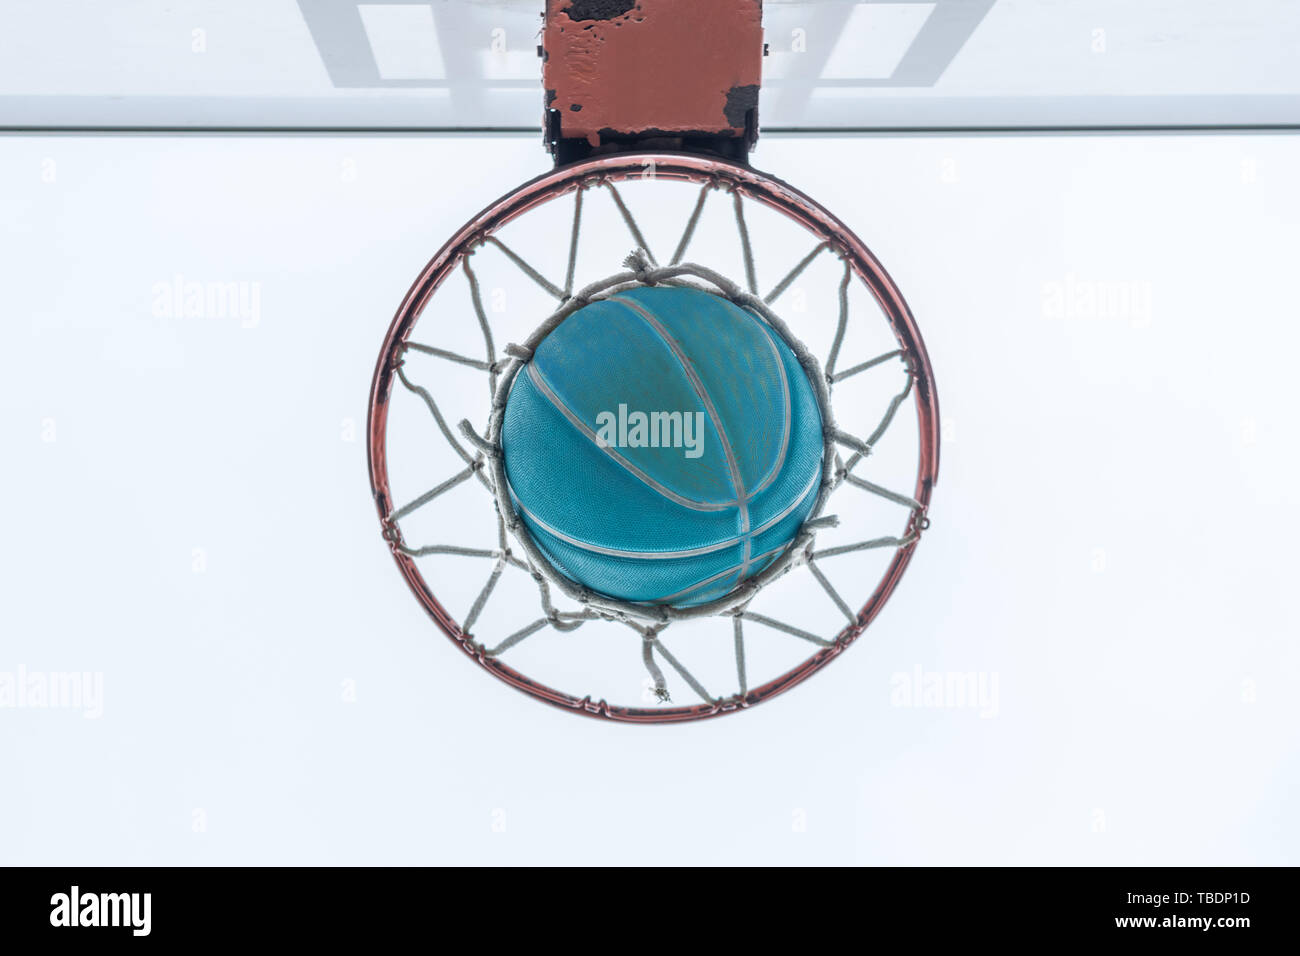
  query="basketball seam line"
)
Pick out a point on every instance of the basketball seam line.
point(619, 553)
point(738, 486)
point(549, 393)
point(787, 424)
point(766, 526)
point(664, 555)
point(538, 379)
point(713, 579)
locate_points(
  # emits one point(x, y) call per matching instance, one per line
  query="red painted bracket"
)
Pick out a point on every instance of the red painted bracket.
point(624, 75)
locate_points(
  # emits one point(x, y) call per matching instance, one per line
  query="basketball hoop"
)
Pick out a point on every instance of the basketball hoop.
point(476, 449)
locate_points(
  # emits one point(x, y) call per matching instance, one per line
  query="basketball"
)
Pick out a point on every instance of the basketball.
point(662, 445)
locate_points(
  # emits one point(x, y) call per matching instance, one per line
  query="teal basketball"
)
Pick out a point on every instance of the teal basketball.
point(662, 445)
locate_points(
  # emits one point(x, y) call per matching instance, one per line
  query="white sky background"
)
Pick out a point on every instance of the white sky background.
point(1113, 533)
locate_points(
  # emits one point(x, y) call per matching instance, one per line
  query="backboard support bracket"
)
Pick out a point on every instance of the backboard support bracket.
point(635, 75)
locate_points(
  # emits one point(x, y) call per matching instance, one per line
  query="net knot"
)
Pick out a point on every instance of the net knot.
point(802, 555)
point(639, 262)
point(486, 448)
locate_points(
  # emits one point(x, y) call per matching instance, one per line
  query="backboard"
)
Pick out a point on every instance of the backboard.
point(1015, 65)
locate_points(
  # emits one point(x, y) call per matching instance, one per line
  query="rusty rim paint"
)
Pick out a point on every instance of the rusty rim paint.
point(679, 167)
